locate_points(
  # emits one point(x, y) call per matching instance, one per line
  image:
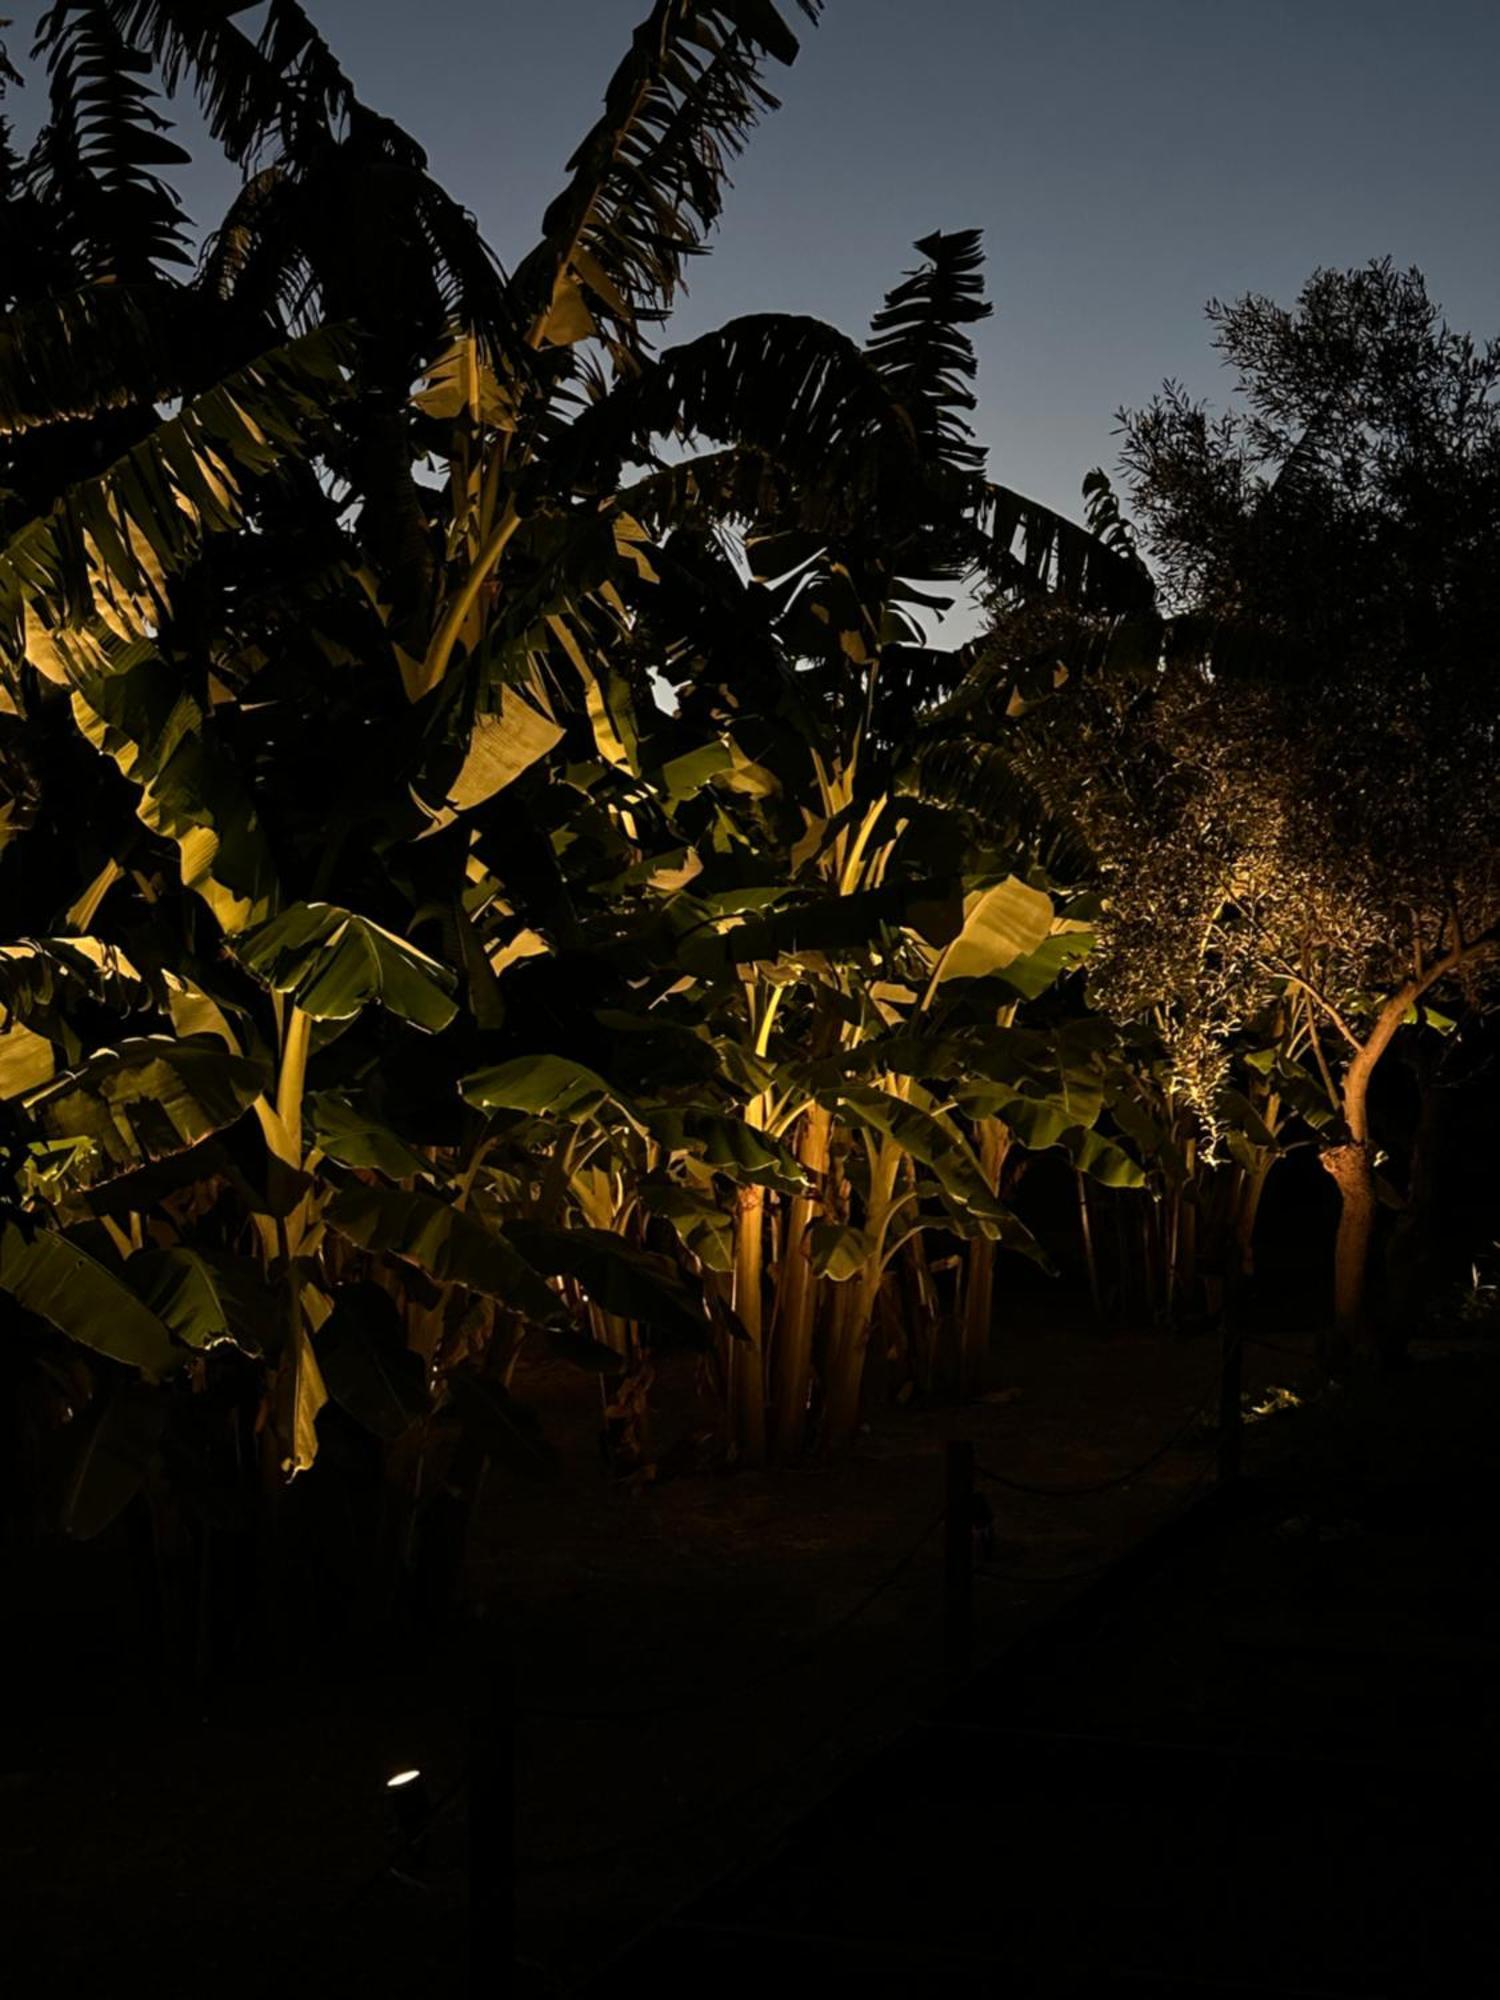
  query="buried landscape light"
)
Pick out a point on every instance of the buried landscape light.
point(411, 1815)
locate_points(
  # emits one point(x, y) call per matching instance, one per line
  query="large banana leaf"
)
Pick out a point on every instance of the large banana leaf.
point(207, 1299)
point(27, 1060)
point(109, 540)
point(133, 706)
point(355, 1137)
point(332, 963)
point(1033, 974)
point(631, 1283)
point(47, 985)
point(730, 1146)
point(647, 183)
point(445, 1243)
point(502, 748)
point(700, 1223)
point(1002, 924)
point(104, 347)
point(1027, 548)
point(50, 1276)
point(117, 1444)
point(917, 343)
point(791, 390)
point(143, 1101)
point(545, 1086)
point(285, 83)
point(367, 1367)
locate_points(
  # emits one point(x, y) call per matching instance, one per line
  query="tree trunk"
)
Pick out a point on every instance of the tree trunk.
point(747, 1377)
point(1090, 1259)
point(979, 1291)
point(1350, 1167)
point(848, 1337)
point(798, 1291)
point(1353, 1172)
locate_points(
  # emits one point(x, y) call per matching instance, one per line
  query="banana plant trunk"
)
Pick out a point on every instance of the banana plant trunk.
point(798, 1290)
point(855, 1305)
point(746, 1359)
point(979, 1290)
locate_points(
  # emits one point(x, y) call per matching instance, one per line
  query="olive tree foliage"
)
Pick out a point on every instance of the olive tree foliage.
point(1290, 778)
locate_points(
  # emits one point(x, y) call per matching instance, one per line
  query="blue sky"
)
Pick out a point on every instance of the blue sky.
point(1126, 161)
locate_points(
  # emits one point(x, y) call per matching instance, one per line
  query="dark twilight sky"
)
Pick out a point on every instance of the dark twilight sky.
point(1126, 159)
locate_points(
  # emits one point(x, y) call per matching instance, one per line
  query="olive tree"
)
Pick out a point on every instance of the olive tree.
point(1300, 803)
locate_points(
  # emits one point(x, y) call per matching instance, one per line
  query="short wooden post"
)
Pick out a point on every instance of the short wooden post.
point(958, 1553)
point(492, 1836)
point(1231, 1411)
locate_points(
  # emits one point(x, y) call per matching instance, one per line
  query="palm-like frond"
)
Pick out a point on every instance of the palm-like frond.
point(917, 342)
point(732, 488)
point(107, 347)
point(284, 83)
point(647, 183)
point(354, 232)
point(791, 389)
point(104, 547)
point(1029, 551)
point(94, 162)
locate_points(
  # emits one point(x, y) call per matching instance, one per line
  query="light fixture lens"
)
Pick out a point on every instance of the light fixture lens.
point(401, 1778)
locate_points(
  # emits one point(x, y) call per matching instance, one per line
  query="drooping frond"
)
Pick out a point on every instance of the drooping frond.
point(996, 785)
point(792, 389)
point(107, 347)
point(357, 233)
point(918, 343)
point(95, 161)
point(647, 183)
point(1026, 549)
point(103, 549)
point(284, 83)
point(731, 488)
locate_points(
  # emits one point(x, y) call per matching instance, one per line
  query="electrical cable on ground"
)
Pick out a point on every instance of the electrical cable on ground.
point(1117, 1479)
point(990, 1571)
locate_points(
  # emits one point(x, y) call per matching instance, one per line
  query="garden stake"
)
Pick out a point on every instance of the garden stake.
point(1231, 1415)
point(958, 1557)
point(492, 1845)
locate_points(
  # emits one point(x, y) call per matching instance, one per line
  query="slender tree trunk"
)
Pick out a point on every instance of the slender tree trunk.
point(1186, 1277)
point(746, 1360)
point(1353, 1171)
point(1350, 1167)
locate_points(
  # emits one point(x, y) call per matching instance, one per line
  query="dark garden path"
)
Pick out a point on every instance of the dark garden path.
point(1265, 1767)
point(1260, 1762)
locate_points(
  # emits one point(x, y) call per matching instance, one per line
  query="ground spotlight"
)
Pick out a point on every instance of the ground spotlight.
point(411, 1815)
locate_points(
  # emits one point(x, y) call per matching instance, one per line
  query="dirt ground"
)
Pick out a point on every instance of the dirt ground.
point(253, 1824)
point(698, 1660)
